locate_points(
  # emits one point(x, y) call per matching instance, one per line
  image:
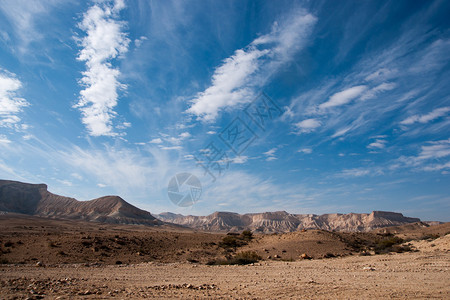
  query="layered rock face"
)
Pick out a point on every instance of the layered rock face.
point(35, 199)
point(282, 221)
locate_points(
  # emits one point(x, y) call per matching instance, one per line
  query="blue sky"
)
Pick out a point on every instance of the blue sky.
point(105, 97)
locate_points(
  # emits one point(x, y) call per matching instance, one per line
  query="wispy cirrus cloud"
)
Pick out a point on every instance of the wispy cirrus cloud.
point(234, 82)
point(11, 104)
point(373, 92)
point(435, 150)
point(104, 41)
point(343, 97)
point(377, 144)
point(270, 155)
point(425, 118)
point(22, 15)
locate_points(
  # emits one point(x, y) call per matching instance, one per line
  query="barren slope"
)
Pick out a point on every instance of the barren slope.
point(35, 199)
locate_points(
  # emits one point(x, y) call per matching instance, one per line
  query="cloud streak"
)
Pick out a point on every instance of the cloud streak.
point(234, 82)
point(435, 114)
point(104, 41)
point(343, 97)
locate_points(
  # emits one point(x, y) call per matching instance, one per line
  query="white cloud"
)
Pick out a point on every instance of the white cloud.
point(234, 82)
point(65, 182)
point(126, 171)
point(124, 125)
point(10, 103)
point(435, 114)
point(343, 97)
point(357, 172)
point(101, 185)
point(22, 14)
point(436, 150)
point(104, 41)
point(156, 141)
point(305, 150)
point(185, 135)
point(270, 154)
point(378, 144)
point(307, 125)
point(176, 140)
point(341, 132)
point(211, 132)
point(4, 139)
point(138, 42)
point(77, 176)
point(429, 159)
point(171, 147)
point(373, 92)
point(240, 159)
point(381, 74)
point(437, 167)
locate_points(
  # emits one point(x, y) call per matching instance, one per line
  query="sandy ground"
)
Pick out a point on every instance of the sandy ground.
point(77, 260)
point(417, 275)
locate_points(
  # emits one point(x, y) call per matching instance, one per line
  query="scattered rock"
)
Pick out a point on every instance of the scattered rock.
point(305, 256)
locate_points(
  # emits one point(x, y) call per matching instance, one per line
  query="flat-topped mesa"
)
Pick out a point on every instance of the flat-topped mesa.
point(282, 221)
point(35, 199)
point(392, 216)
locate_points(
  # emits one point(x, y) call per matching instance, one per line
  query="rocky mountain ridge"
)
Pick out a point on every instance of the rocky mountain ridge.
point(281, 221)
point(36, 200)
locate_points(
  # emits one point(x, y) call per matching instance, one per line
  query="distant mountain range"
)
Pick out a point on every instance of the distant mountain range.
point(36, 200)
point(281, 221)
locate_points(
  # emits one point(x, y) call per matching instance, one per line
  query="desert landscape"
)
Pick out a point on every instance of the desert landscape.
point(224, 149)
point(98, 253)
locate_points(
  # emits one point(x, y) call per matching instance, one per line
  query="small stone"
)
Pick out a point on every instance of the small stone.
point(305, 256)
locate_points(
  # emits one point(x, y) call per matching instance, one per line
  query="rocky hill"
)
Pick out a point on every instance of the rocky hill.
point(35, 199)
point(282, 221)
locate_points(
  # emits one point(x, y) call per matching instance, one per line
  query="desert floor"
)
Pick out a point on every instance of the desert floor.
point(50, 259)
point(417, 275)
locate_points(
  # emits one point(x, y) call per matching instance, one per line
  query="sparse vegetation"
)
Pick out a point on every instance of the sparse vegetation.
point(391, 244)
point(430, 237)
point(233, 240)
point(241, 258)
